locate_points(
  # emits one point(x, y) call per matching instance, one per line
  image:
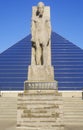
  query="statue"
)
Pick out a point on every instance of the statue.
point(41, 35)
point(41, 68)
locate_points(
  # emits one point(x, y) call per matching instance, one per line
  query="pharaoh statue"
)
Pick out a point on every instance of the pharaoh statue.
point(41, 35)
point(41, 69)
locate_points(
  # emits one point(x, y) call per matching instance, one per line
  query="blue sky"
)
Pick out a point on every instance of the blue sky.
point(15, 20)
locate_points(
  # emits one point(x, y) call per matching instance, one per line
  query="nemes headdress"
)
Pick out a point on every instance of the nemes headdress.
point(41, 4)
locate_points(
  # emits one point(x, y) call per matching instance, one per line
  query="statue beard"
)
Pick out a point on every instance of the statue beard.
point(41, 14)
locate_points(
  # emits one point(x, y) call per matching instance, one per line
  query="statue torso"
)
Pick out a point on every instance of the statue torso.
point(41, 30)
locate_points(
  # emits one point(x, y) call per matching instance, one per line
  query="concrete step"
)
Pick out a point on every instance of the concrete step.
point(39, 106)
point(73, 104)
point(42, 128)
point(40, 102)
point(73, 116)
point(73, 98)
point(8, 119)
point(66, 110)
point(73, 120)
point(73, 111)
point(32, 119)
point(42, 97)
point(8, 116)
point(8, 108)
point(73, 107)
point(73, 123)
point(74, 101)
point(7, 112)
point(10, 99)
point(40, 123)
point(8, 105)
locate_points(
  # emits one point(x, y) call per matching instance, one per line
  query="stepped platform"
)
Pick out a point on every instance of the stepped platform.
point(73, 113)
point(72, 108)
point(40, 109)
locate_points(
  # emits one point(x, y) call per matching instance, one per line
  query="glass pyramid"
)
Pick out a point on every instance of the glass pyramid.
point(67, 60)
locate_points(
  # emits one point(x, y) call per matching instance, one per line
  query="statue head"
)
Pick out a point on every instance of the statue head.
point(40, 8)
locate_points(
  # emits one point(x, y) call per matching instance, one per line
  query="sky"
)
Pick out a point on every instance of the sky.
point(15, 20)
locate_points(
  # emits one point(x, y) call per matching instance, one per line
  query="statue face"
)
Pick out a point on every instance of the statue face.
point(41, 10)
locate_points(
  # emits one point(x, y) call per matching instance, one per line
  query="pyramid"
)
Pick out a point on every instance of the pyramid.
point(67, 60)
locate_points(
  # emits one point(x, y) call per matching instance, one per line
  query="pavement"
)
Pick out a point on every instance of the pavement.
point(11, 125)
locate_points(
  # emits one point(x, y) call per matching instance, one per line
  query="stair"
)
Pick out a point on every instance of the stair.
point(8, 108)
point(40, 111)
point(73, 111)
point(73, 107)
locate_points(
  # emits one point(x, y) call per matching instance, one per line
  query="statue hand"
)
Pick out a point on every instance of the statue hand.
point(48, 42)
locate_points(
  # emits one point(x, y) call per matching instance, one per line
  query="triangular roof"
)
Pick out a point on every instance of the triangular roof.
point(67, 60)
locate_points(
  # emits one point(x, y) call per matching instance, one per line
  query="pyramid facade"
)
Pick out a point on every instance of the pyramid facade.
point(67, 60)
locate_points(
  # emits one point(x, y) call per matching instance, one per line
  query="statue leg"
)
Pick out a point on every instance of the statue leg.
point(38, 54)
point(44, 54)
point(33, 60)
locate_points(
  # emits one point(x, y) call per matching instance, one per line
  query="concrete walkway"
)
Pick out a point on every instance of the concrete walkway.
point(11, 125)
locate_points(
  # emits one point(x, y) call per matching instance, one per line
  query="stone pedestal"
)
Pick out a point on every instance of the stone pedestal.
point(40, 73)
point(40, 110)
point(40, 107)
point(40, 78)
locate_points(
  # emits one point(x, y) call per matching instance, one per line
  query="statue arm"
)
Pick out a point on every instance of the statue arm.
point(49, 28)
point(33, 31)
